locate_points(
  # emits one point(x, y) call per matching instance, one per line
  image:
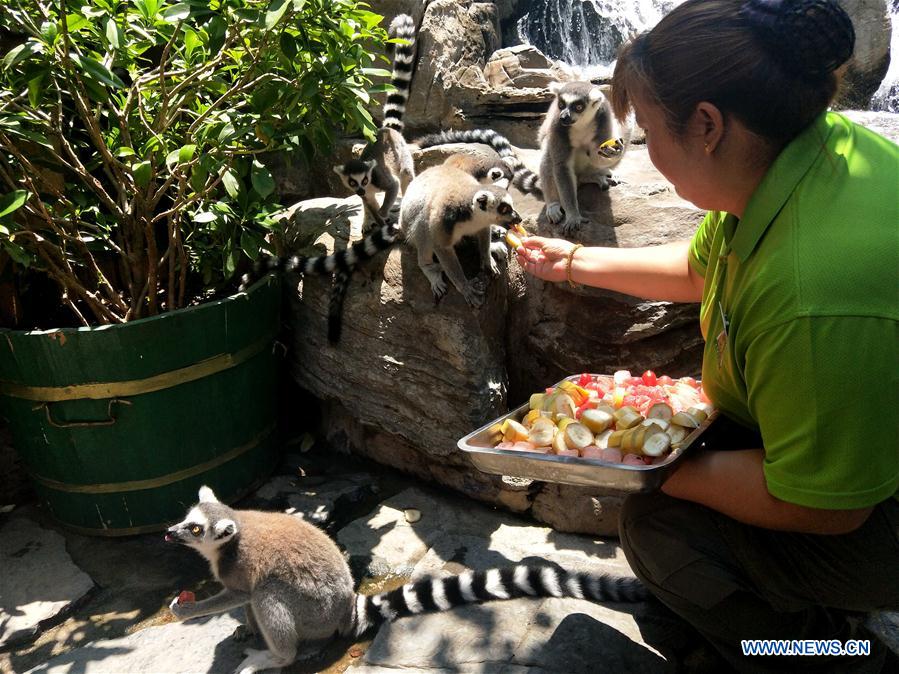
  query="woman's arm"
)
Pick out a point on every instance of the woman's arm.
point(655, 272)
point(733, 483)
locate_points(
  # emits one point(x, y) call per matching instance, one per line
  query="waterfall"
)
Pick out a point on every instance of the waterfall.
point(886, 97)
point(587, 33)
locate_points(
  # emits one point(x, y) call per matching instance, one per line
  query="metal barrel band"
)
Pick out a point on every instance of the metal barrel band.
point(138, 485)
point(123, 389)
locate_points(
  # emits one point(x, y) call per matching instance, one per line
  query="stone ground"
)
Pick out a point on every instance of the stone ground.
point(70, 603)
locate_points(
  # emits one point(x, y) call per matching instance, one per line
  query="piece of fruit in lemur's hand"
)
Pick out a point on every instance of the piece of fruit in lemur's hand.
point(522, 178)
point(443, 204)
point(386, 164)
point(263, 561)
point(573, 140)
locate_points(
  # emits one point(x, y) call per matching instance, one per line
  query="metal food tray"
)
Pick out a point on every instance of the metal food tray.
point(568, 469)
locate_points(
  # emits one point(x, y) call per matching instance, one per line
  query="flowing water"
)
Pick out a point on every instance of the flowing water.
point(887, 96)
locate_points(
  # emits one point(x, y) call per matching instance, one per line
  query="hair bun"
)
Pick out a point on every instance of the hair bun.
point(812, 37)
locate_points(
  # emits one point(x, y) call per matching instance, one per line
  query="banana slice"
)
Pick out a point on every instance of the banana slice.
point(602, 439)
point(686, 420)
point(597, 420)
point(578, 436)
point(627, 417)
point(514, 431)
point(660, 411)
point(542, 432)
point(656, 445)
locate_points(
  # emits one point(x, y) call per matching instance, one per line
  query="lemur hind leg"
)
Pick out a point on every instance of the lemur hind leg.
point(473, 294)
point(276, 623)
point(390, 194)
point(249, 629)
point(433, 271)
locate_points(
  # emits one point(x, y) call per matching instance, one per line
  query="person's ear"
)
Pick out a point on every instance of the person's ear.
point(708, 122)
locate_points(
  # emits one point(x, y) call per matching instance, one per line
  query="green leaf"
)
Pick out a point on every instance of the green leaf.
point(204, 217)
point(49, 31)
point(262, 179)
point(289, 45)
point(17, 253)
point(113, 33)
point(75, 22)
point(232, 183)
point(13, 201)
point(97, 70)
point(298, 5)
point(124, 152)
point(20, 53)
point(35, 89)
point(376, 72)
point(142, 172)
point(276, 12)
point(191, 41)
point(175, 13)
point(250, 245)
point(186, 153)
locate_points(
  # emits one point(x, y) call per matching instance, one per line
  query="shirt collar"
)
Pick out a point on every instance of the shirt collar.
point(778, 184)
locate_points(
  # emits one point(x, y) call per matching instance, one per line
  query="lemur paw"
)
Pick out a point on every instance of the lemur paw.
point(493, 267)
point(180, 611)
point(572, 225)
point(499, 251)
point(554, 212)
point(473, 294)
point(439, 289)
point(242, 633)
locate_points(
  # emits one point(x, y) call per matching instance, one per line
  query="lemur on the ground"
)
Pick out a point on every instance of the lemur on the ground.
point(297, 591)
point(575, 141)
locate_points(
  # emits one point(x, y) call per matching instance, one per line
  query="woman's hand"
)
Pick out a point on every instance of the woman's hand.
point(546, 259)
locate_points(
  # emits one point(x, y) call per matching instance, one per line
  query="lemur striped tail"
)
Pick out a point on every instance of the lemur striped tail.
point(441, 594)
point(343, 261)
point(339, 288)
point(522, 177)
point(402, 27)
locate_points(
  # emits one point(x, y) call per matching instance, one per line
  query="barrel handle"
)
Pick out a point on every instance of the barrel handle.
point(83, 424)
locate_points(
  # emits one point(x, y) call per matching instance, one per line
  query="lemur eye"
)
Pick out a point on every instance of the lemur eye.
point(504, 209)
point(365, 181)
point(353, 183)
point(196, 530)
point(578, 107)
point(561, 104)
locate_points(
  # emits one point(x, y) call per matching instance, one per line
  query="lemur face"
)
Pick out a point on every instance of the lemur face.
point(576, 101)
point(498, 204)
point(356, 175)
point(208, 525)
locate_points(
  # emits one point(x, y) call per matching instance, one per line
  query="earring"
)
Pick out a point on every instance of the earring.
point(708, 149)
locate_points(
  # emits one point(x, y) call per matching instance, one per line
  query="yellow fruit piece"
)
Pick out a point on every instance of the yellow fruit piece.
point(612, 142)
point(536, 401)
point(562, 423)
point(615, 438)
point(578, 436)
point(627, 417)
point(513, 240)
point(514, 431)
point(559, 444)
point(596, 420)
point(542, 432)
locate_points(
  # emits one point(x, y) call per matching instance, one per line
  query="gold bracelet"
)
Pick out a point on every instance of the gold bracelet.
point(568, 265)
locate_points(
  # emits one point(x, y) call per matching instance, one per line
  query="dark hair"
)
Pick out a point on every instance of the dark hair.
point(770, 63)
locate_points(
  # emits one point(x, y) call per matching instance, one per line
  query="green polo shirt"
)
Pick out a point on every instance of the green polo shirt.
point(808, 282)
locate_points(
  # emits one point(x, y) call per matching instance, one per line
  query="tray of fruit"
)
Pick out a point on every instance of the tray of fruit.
point(619, 432)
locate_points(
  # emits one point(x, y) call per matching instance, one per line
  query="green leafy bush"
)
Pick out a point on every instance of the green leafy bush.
point(131, 132)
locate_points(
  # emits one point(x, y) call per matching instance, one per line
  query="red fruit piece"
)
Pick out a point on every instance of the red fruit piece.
point(186, 597)
point(649, 378)
point(665, 380)
point(584, 380)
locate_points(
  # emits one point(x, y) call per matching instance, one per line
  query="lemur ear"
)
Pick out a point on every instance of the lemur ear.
point(483, 198)
point(555, 87)
point(338, 169)
point(225, 528)
point(370, 164)
point(595, 94)
point(207, 495)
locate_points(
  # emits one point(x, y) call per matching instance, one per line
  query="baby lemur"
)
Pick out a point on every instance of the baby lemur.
point(443, 204)
point(573, 140)
point(388, 157)
point(297, 590)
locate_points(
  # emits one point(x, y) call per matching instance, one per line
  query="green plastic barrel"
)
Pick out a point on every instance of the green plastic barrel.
point(120, 425)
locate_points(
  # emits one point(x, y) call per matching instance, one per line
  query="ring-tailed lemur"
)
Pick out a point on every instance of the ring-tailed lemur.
point(443, 204)
point(297, 590)
point(573, 139)
point(523, 178)
point(388, 157)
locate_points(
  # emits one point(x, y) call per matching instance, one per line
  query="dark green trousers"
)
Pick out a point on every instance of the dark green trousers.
point(733, 581)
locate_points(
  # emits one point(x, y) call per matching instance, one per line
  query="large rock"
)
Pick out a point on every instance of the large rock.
point(410, 378)
point(871, 59)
